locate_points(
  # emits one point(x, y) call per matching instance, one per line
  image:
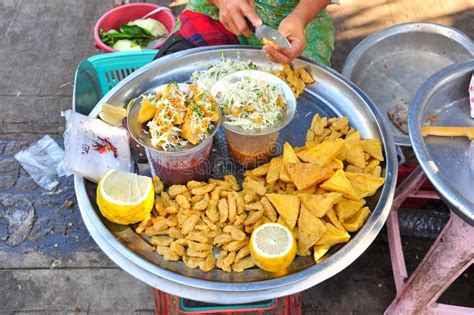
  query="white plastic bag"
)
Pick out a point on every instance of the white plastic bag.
point(93, 147)
point(43, 160)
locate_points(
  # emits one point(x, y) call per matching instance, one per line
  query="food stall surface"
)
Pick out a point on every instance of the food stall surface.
point(58, 268)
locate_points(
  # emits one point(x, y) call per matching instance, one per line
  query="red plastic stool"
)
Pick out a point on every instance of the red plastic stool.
point(174, 305)
point(416, 199)
point(438, 269)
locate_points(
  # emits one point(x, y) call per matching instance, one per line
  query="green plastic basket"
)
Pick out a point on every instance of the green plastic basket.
point(96, 75)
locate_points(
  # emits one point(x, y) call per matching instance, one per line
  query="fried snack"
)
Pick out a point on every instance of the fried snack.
point(243, 264)
point(332, 218)
point(287, 206)
point(365, 185)
point(319, 205)
point(320, 251)
point(346, 208)
point(339, 183)
point(262, 170)
point(322, 153)
point(317, 191)
point(305, 175)
point(353, 152)
point(296, 78)
point(373, 147)
point(310, 230)
point(289, 156)
point(147, 111)
point(274, 168)
point(305, 76)
point(323, 128)
point(356, 221)
point(158, 184)
point(269, 42)
point(333, 236)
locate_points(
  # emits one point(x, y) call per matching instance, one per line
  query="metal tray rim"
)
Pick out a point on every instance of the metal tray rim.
point(456, 201)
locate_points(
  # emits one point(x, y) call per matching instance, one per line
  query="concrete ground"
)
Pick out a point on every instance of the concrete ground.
point(59, 269)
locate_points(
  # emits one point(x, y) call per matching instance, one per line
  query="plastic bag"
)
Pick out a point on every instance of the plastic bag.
point(93, 147)
point(43, 160)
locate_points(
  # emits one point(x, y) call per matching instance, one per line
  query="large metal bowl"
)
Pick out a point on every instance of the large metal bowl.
point(332, 95)
point(444, 159)
point(390, 65)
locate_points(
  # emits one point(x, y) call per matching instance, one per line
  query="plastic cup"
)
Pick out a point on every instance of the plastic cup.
point(177, 166)
point(251, 148)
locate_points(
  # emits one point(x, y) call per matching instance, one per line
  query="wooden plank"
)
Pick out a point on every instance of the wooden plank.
point(73, 290)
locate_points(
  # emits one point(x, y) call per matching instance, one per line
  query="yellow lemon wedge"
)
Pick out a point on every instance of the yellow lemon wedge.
point(112, 115)
point(125, 198)
point(273, 247)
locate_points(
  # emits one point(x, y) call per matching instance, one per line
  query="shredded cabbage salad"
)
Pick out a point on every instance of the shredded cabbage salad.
point(181, 117)
point(252, 104)
point(206, 78)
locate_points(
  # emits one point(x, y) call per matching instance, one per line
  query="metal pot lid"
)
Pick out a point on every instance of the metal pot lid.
point(445, 160)
point(331, 95)
point(390, 65)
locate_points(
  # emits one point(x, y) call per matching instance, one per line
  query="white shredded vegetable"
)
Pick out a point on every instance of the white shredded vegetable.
point(252, 104)
point(206, 78)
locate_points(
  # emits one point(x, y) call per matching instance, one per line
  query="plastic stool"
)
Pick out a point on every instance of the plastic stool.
point(174, 305)
point(419, 293)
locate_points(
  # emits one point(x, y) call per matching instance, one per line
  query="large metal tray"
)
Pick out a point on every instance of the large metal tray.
point(390, 65)
point(445, 159)
point(331, 95)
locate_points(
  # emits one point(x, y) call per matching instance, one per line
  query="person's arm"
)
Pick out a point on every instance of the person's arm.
point(233, 12)
point(308, 9)
point(292, 27)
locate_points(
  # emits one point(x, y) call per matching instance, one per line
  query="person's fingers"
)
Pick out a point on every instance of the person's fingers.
point(252, 4)
point(289, 52)
point(241, 25)
point(249, 11)
point(275, 55)
point(272, 59)
point(270, 55)
point(274, 50)
point(297, 48)
point(228, 23)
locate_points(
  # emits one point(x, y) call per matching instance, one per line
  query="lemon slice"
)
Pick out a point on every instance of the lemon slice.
point(112, 115)
point(110, 119)
point(273, 247)
point(125, 198)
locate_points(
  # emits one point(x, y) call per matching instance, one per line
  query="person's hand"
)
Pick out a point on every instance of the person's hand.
point(233, 12)
point(292, 27)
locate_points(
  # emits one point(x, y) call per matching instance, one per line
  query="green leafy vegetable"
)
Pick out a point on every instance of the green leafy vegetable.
point(136, 34)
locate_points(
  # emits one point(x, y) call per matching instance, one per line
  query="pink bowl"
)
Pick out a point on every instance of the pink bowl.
point(129, 12)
